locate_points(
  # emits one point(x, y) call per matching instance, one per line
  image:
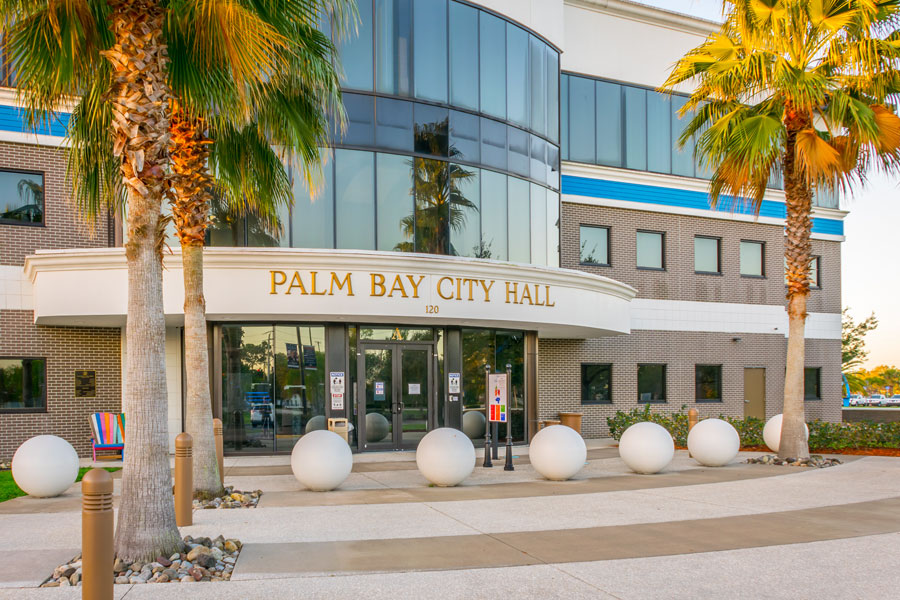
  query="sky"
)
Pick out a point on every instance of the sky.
point(870, 276)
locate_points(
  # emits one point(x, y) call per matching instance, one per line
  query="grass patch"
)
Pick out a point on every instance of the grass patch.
point(9, 489)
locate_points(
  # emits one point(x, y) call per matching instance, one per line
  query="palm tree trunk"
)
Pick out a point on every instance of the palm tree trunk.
point(146, 523)
point(798, 201)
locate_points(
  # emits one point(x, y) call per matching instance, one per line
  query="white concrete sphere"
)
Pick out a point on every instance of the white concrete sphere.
point(772, 432)
point(714, 442)
point(473, 423)
point(445, 456)
point(646, 448)
point(377, 427)
point(315, 424)
point(557, 452)
point(321, 460)
point(45, 466)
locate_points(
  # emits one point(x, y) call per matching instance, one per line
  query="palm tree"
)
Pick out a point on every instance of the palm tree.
point(798, 87)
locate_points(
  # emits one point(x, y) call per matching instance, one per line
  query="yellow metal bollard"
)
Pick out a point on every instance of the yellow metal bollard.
point(97, 556)
point(184, 479)
point(220, 448)
point(693, 419)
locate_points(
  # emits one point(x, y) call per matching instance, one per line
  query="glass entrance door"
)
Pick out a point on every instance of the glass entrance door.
point(397, 381)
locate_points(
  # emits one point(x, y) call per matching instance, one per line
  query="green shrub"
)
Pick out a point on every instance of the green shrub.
point(822, 435)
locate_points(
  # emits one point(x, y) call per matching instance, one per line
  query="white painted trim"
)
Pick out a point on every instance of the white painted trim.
point(21, 137)
point(650, 15)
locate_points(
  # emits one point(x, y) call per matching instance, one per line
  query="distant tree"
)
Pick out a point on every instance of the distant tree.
point(853, 348)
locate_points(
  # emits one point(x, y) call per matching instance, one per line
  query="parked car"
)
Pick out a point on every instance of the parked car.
point(893, 400)
point(857, 400)
point(876, 400)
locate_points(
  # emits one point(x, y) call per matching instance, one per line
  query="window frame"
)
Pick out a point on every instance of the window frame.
point(665, 377)
point(22, 411)
point(817, 285)
point(762, 259)
point(718, 241)
point(720, 386)
point(662, 261)
point(584, 389)
point(608, 229)
point(43, 175)
point(818, 371)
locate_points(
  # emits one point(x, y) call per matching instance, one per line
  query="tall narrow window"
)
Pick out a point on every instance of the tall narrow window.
point(356, 51)
point(650, 246)
point(396, 213)
point(463, 55)
point(517, 74)
point(313, 213)
point(393, 51)
point(430, 40)
point(354, 185)
point(596, 384)
point(707, 253)
point(493, 64)
point(651, 383)
point(812, 383)
point(814, 272)
point(708, 383)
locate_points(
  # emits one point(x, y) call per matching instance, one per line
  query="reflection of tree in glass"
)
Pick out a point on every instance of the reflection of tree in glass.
point(587, 256)
point(227, 224)
point(482, 249)
point(440, 204)
point(30, 205)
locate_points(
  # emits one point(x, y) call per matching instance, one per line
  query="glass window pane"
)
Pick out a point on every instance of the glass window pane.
point(313, 214)
point(635, 128)
point(812, 379)
point(493, 215)
point(22, 199)
point(649, 250)
point(651, 383)
point(706, 255)
point(519, 220)
point(354, 184)
point(430, 49)
point(594, 245)
point(538, 158)
point(517, 74)
point(493, 64)
point(360, 120)
point(356, 52)
point(596, 381)
point(814, 272)
point(609, 124)
point(396, 220)
point(552, 166)
point(518, 151)
point(682, 158)
point(247, 381)
point(493, 143)
point(394, 124)
point(22, 384)
point(262, 235)
point(553, 229)
point(708, 383)
point(432, 206)
point(300, 381)
point(659, 132)
point(225, 228)
point(564, 117)
point(465, 236)
point(582, 115)
point(752, 258)
point(465, 136)
point(552, 58)
point(538, 224)
point(431, 136)
point(538, 87)
point(463, 56)
point(392, 46)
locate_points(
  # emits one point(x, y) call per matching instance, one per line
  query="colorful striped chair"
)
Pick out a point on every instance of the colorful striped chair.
point(108, 433)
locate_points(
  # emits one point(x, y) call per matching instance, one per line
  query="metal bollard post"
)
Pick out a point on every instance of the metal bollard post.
point(97, 556)
point(487, 418)
point(184, 479)
point(509, 449)
point(220, 448)
point(693, 418)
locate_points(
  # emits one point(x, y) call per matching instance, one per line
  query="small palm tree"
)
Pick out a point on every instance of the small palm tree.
point(798, 87)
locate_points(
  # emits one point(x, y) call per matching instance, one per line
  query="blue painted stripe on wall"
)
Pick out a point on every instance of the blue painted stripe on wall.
point(650, 194)
point(12, 119)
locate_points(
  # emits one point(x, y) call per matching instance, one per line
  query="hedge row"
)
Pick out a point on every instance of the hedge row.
point(822, 435)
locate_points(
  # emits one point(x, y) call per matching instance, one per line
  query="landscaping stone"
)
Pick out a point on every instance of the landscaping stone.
point(232, 498)
point(815, 460)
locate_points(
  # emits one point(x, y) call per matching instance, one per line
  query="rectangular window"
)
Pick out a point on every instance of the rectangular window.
point(538, 224)
point(609, 124)
point(392, 46)
point(465, 136)
point(430, 40)
point(517, 75)
point(354, 185)
point(394, 124)
point(356, 52)
point(552, 92)
point(465, 235)
point(394, 203)
point(538, 87)
point(708, 381)
point(651, 383)
point(659, 133)
point(313, 214)
point(682, 158)
point(519, 217)
point(594, 244)
point(635, 128)
point(814, 274)
point(581, 120)
point(432, 220)
point(650, 250)
point(493, 65)
point(463, 56)
point(596, 384)
point(493, 216)
point(812, 383)
point(752, 259)
point(21, 197)
point(707, 251)
point(23, 385)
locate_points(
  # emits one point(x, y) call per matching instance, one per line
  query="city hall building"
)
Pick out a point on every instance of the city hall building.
point(507, 191)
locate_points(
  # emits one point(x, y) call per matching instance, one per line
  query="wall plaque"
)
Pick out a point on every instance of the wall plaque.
point(85, 384)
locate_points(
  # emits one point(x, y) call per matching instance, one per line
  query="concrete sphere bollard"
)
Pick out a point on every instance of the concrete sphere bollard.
point(473, 424)
point(45, 466)
point(557, 452)
point(713, 442)
point(772, 432)
point(646, 448)
point(377, 427)
point(321, 460)
point(315, 424)
point(445, 457)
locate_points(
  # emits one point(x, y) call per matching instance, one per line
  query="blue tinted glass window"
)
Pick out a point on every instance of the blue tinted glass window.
point(463, 56)
point(519, 218)
point(538, 224)
point(635, 128)
point(582, 115)
point(518, 151)
point(659, 133)
point(493, 64)
point(465, 138)
point(609, 124)
point(538, 158)
point(552, 229)
point(538, 87)
point(431, 129)
point(517, 75)
point(392, 46)
point(493, 215)
point(395, 203)
point(465, 235)
point(434, 209)
point(682, 158)
point(360, 120)
point(394, 124)
point(553, 166)
point(564, 117)
point(552, 93)
point(356, 52)
point(313, 214)
point(354, 184)
point(493, 143)
point(430, 49)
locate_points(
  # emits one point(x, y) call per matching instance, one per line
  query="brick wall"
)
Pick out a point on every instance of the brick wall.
point(63, 227)
point(559, 373)
point(65, 349)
